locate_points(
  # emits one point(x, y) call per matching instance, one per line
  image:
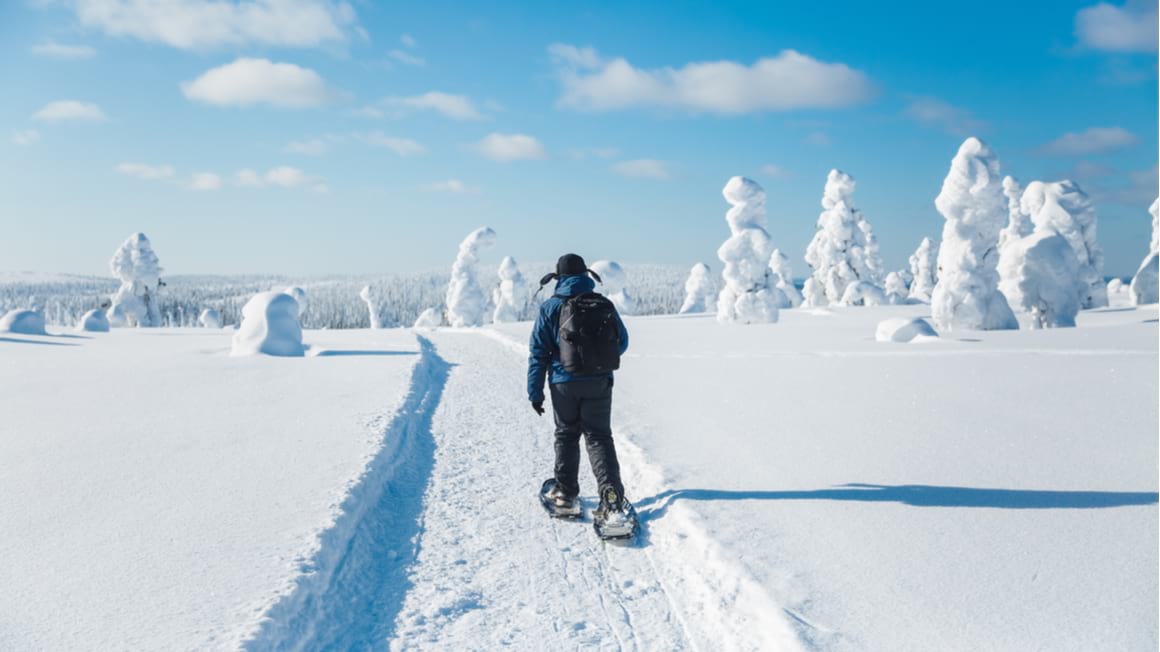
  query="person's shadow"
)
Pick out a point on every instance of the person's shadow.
point(916, 495)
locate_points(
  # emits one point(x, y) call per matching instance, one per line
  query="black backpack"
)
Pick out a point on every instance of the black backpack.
point(589, 335)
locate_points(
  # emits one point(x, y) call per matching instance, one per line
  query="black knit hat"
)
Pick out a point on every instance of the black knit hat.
point(571, 265)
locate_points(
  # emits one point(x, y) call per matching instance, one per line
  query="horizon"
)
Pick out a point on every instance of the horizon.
point(371, 139)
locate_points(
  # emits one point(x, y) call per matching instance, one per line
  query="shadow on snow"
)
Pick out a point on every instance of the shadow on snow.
point(326, 353)
point(350, 594)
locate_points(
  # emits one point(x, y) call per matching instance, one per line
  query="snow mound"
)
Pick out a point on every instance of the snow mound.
point(748, 296)
point(25, 322)
point(269, 326)
point(210, 318)
point(466, 302)
point(905, 330)
point(863, 293)
point(613, 281)
point(94, 321)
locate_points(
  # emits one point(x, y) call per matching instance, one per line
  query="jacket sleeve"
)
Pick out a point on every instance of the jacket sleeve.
point(539, 356)
point(623, 334)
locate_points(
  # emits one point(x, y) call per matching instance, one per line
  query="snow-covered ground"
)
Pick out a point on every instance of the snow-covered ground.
point(801, 485)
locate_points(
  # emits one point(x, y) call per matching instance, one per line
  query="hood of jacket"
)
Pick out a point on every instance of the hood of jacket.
point(570, 286)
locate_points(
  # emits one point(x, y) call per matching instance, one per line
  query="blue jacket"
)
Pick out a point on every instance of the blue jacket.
point(545, 345)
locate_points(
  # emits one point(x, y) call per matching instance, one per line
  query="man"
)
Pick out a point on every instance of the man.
point(581, 403)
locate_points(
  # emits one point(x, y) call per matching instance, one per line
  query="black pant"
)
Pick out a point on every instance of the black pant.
point(585, 407)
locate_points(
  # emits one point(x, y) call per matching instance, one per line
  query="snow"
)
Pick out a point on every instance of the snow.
point(1146, 282)
point(210, 318)
point(971, 201)
point(895, 288)
point(511, 297)
point(24, 322)
point(614, 281)
point(783, 279)
point(94, 321)
point(902, 329)
point(843, 250)
point(1041, 275)
point(466, 302)
point(137, 267)
point(699, 290)
point(269, 326)
point(1062, 207)
point(748, 295)
point(429, 318)
point(367, 294)
point(299, 295)
point(381, 492)
point(923, 270)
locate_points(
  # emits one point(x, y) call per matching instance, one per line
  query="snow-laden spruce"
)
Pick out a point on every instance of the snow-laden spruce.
point(614, 285)
point(783, 279)
point(368, 295)
point(511, 297)
point(135, 303)
point(1018, 222)
point(466, 302)
point(971, 201)
point(269, 326)
point(814, 294)
point(699, 290)
point(863, 293)
point(923, 270)
point(1146, 282)
point(210, 318)
point(429, 318)
point(844, 249)
point(895, 288)
point(24, 322)
point(1041, 276)
point(94, 321)
point(1062, 207)
point(748, 295)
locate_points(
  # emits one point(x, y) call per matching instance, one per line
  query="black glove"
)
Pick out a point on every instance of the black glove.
point(538, 406)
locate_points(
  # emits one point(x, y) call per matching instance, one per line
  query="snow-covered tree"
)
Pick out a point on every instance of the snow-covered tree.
point(814, 294)
point(1018, 223)
point(923, 270)
point(843, 250)
point(783, 279)
point(269, 326)
point(368, 295)
point(614, 283)
point(748, 295)
point(299, 296)
point(698, 290)
point(895, 288)
point(1062, 207)
point(429, 318)
point(511, 297)
point(971, 200)
point(1040, 273)
point(94, 321)
point(135, 303)
point(210, 318)
point(863, 293)
point(1146, 282)
point(466, 302)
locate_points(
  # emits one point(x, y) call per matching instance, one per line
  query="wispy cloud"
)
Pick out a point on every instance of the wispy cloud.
point(24, 137)
point(452, 186)
point(406, 58)
point(580, 153)
point(456, 107)
point(69, 111)
point(790, 80)
point(1130, 27)
point(146, 171)
point(283, 176)
point(247, 82)
point(1093, 140)
point(408, 41)
point(933, 112)
point(54, 50)
point(402, 146)
point(205, 181)
point(510, 147)
point(309, 147)
point(200, 25)
point(642, 168)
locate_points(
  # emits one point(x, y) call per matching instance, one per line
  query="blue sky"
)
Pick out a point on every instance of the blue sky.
point(305, 136)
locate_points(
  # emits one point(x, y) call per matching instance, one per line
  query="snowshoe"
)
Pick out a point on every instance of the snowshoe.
point(557, 503)
point(615, 518)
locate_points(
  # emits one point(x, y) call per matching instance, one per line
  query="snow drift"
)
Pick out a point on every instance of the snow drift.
point(904, 330)
point(748, 295)
point(967, 294)
point(94, 321)
point(466, 302)
point(269, 326)
point(25, 322)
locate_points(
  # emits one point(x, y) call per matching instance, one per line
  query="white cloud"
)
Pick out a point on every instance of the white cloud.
point(408, 40)
point(1093, 140)
point(248, 178)
point(69, 111)
point(453, 186)
point(366, 112)
point(25, 136)
point(580, 153)
point(283, 176)
point(934, 112)
point(402, 146)
point(456, 107)
point(775, 171)
point(54, 50)
point(203, 24)
point(788, 81)
point(407, 58)
point(1131, 27)
point(642, 168)
point(205, 181)
point(311, 147)
point(145, 171)
point(246, 82)
point(510, 147)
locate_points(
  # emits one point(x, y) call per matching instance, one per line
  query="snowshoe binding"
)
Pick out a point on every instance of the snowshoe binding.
point(615, 518)
point(557, 503)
